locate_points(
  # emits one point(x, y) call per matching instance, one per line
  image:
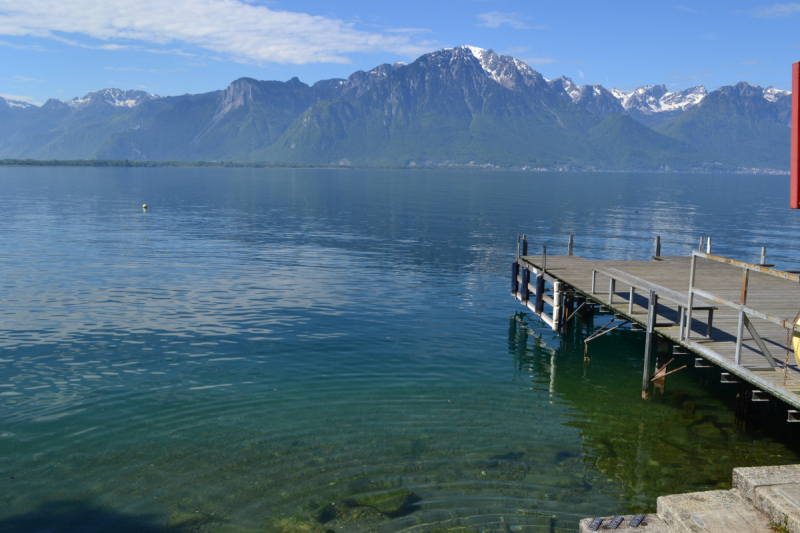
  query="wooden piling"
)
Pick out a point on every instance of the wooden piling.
point(662, 356)
point(569, 245)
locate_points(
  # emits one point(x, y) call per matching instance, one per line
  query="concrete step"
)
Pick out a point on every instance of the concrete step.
point(651, 524)
point(716, 511)
point(774, 491)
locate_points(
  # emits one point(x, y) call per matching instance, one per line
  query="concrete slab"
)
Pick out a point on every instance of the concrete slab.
point(716, 511)
point(781, 504)
point(748, 479)
point(651, 524)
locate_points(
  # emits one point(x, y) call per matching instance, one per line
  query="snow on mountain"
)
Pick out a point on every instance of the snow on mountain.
point(569, 87)
point(114, 97)
point(772, 94)
point(17, 103)
point(505, 70)
point(650, 99)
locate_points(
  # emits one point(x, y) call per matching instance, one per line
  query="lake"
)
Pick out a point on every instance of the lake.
point(314, 350)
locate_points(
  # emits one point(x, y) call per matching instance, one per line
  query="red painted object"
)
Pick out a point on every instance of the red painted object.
point(794, 195)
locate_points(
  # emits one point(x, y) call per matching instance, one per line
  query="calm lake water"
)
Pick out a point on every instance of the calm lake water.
point(316, 350)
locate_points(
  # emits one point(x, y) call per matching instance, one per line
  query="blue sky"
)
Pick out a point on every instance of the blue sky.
point(58, 49)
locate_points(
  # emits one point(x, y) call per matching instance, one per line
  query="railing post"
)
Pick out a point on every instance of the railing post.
point(569, 246)
point(612, 286)
point(524, 245)
point(740, 327)
point(594, 278)
point(687, 332)
point(658, 246)
point(648, 343)
point(544, 260)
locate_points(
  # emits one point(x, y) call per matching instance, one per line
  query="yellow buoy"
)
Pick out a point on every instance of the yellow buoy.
point(796, 345)
point(144, 207)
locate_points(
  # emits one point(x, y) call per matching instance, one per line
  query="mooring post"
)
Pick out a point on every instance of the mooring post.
point(763, 255)
point(518, 238)
point(651, 321)
point(524, 245)
point(611, 289)
point(708, 246)
point(569, 246)
point(702, 241)
point(658, 246)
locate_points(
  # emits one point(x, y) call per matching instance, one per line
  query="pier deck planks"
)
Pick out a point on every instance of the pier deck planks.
point(765, 293)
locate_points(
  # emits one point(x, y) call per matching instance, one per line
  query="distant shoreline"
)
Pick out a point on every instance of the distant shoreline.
point(125, 163)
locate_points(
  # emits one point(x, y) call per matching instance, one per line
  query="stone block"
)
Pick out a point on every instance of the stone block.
point(716, 511)
point(781, 504)
point(746, 480)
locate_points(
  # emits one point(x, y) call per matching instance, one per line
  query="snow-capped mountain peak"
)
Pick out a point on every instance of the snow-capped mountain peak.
point(505, 70)
point(114, 97)
point(651, 99)
point(772, 94)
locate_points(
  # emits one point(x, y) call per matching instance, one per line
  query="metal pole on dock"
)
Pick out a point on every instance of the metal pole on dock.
point(658, 246)
point(544, 259)
point(763, 255)
point(648, 343)
point(702, 241)
point(708, 246)
point(524, 245)
point(518, 237)
point(740, 326)
point(686, 331)
point(569, 246)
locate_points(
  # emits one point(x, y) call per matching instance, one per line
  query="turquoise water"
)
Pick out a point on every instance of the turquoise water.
point(317, 350)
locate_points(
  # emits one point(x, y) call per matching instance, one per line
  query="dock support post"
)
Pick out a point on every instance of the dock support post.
point(514, 275)
point(763, 255)
point(658, 246)
point(569, 246)
point(594, 278)
point(518, 241)
point(612, 286)
point(558, 296)
point(544, 259)
point(648, 343)
point(523, 293)
point(539, 302)
point(569, 304)
point(524, 245)
point(630, 300)
point(662, 356)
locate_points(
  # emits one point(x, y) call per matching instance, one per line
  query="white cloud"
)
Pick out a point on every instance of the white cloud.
point(539, 61)
point(20, 98)
point(776, 10)
point(496, 19)
point(233, 28)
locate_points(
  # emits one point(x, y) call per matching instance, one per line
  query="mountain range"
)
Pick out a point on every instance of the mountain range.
point(456, 106)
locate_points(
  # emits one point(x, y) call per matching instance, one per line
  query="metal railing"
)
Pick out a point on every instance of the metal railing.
point(744, 310)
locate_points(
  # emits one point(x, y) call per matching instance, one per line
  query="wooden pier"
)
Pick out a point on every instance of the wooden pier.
point(740, 312)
